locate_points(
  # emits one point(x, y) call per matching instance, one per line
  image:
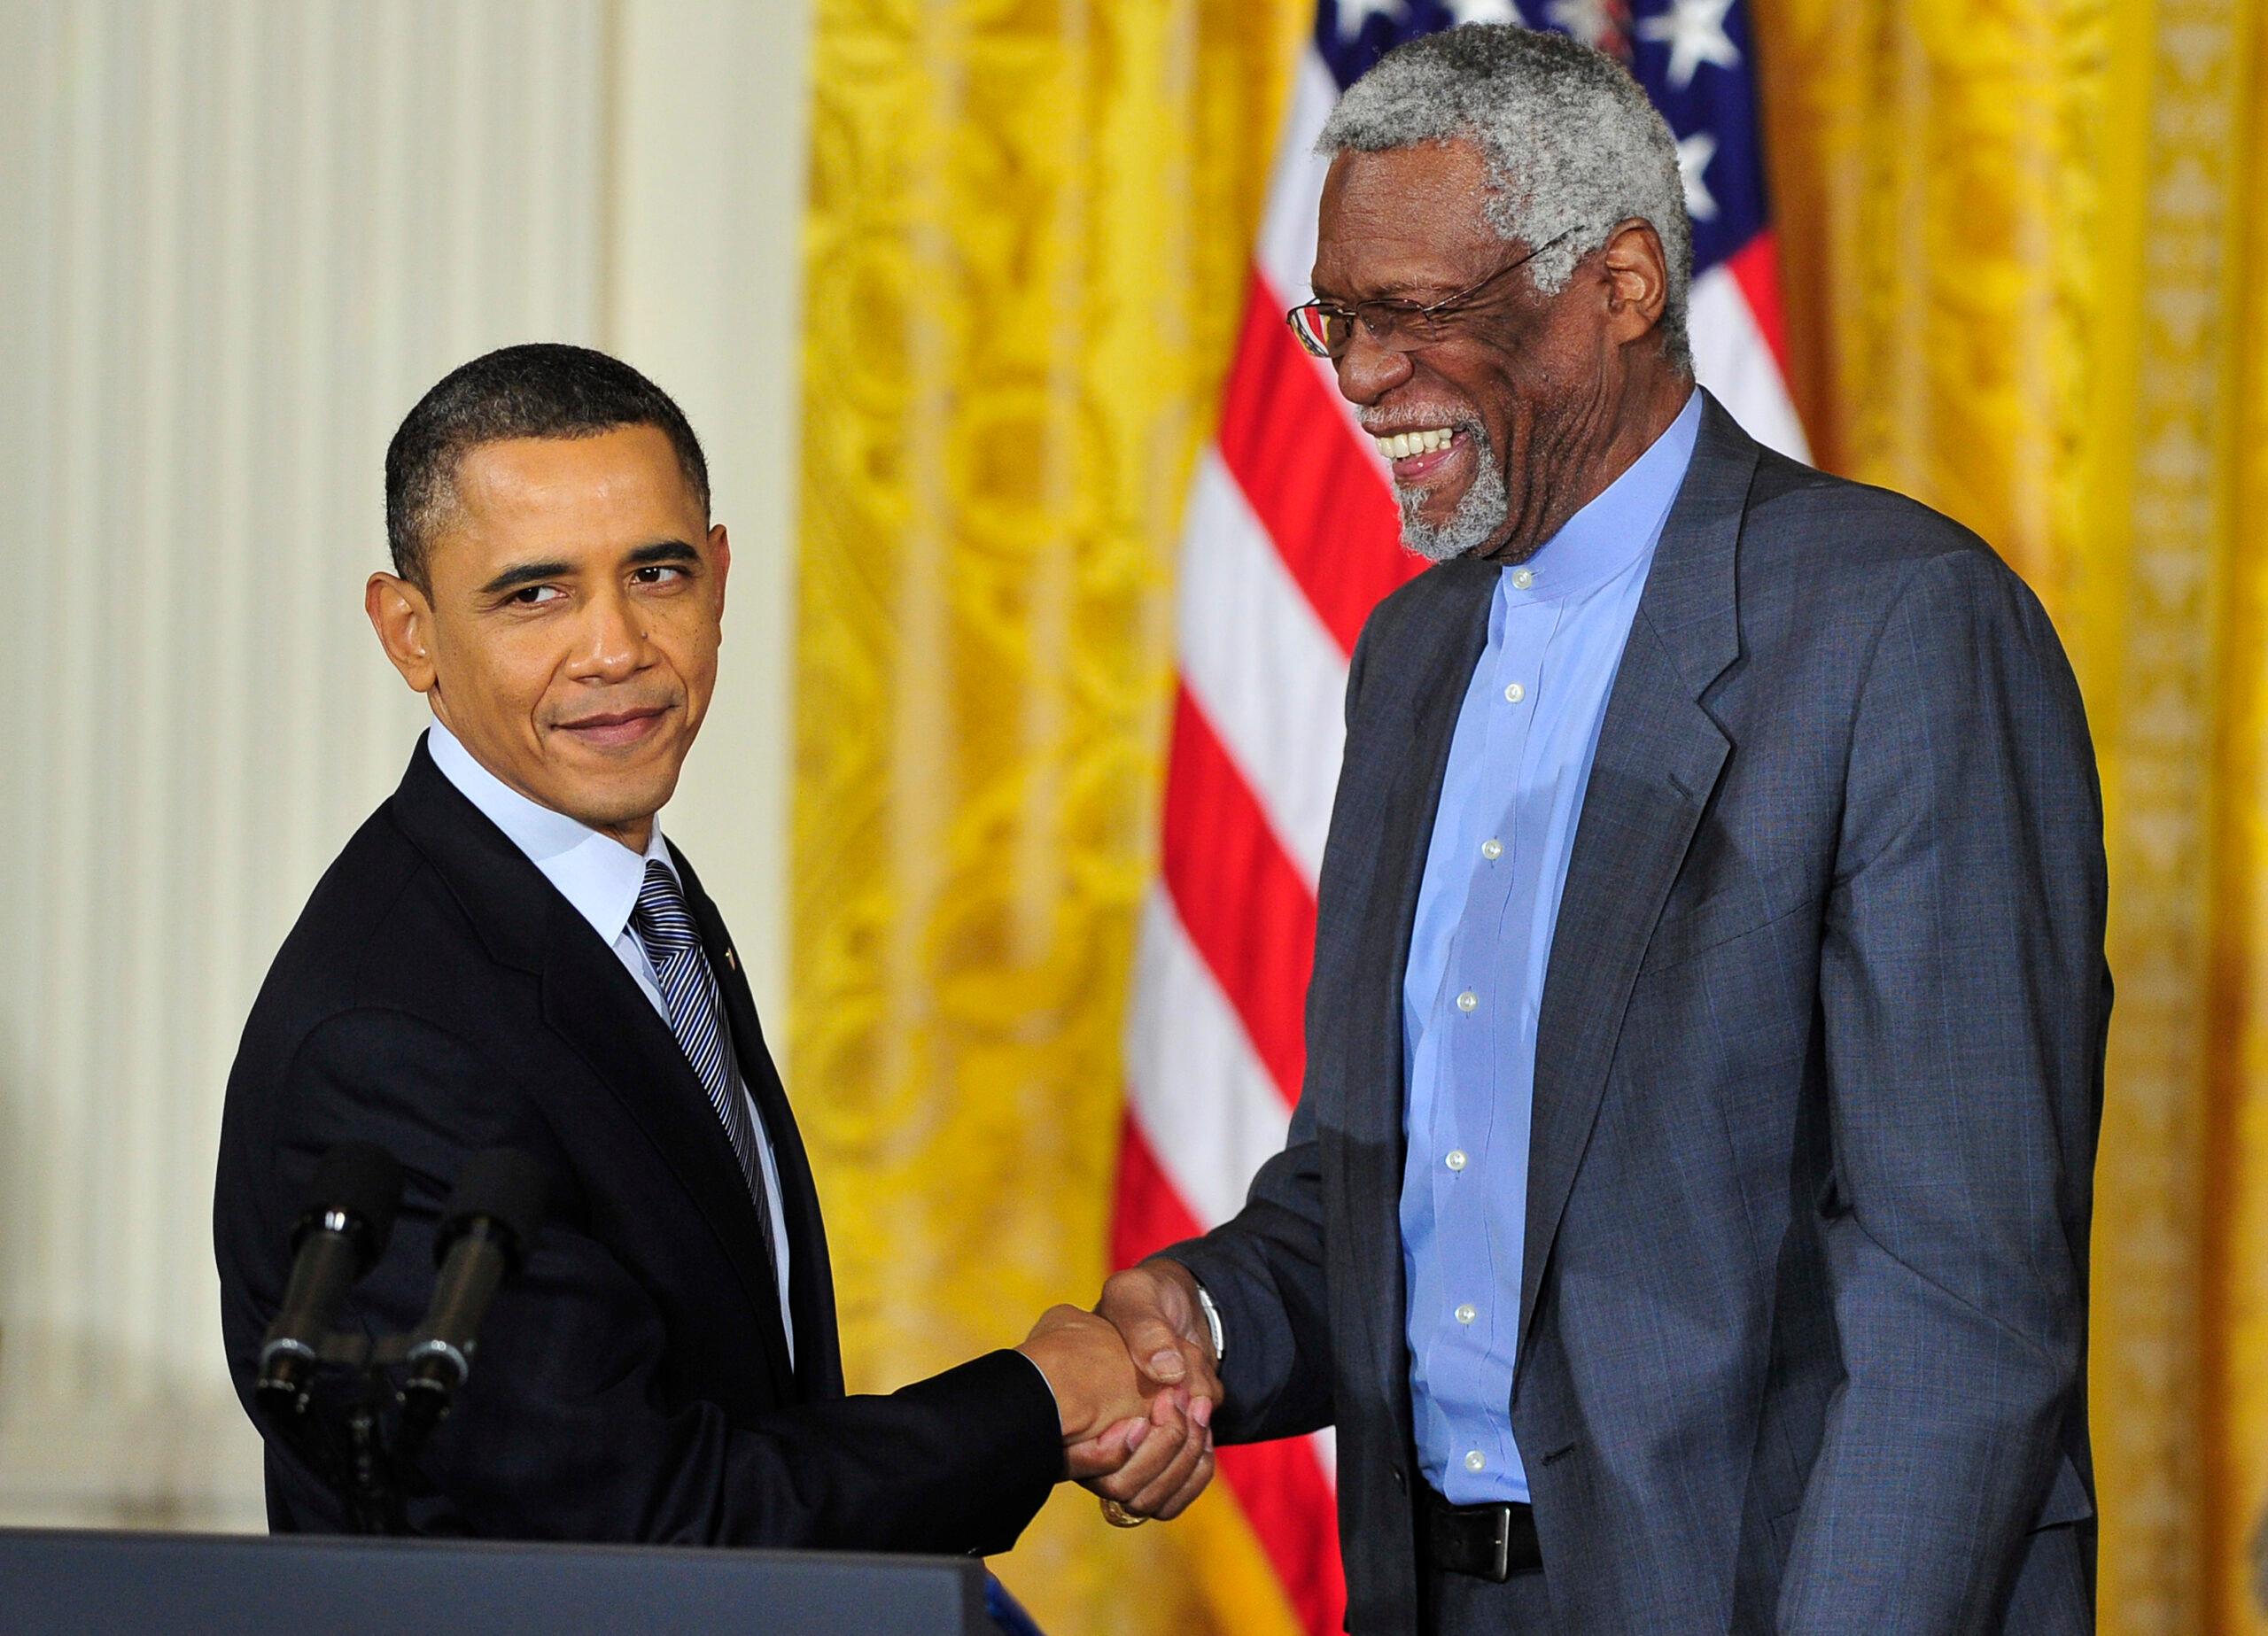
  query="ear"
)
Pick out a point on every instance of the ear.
point(1637, 281)
point(721, 565)
point(403, 618)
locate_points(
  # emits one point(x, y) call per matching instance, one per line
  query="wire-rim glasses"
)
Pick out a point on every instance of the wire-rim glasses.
point(1327, 329)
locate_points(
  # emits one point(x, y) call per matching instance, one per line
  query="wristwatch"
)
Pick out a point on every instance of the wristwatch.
point(1212, 1322)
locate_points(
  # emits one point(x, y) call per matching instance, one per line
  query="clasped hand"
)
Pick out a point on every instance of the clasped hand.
point(1135, 1383)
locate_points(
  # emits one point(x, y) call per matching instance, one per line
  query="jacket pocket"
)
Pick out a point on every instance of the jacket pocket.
point(1725, 917)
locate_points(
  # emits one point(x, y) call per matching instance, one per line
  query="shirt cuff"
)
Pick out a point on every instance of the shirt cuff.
point(1044, 1381)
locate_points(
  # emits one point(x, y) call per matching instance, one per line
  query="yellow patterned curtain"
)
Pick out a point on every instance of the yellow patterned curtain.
point(2023, 249)
point(1026, 247)
point(2024, 241)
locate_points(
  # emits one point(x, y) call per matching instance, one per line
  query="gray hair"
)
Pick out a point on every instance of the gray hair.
point(1571, 144)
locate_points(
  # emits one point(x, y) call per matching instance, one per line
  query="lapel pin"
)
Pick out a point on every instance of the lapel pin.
point(730, 964)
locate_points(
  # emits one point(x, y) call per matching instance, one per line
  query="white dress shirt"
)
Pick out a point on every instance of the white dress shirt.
point(601, 878)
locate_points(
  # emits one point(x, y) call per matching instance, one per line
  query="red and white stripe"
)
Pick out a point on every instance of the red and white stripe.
point(1291, 538)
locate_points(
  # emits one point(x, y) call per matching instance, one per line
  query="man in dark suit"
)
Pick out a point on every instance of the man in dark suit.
point(510, 954)
point(1685, 1219)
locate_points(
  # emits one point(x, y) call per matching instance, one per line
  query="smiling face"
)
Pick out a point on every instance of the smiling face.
point(569, 633)
point(1527, 405)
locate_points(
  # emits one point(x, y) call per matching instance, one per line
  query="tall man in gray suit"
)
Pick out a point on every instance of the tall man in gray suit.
point(1685, 1218)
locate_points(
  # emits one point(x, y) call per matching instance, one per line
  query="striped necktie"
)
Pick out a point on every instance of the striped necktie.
point(696, 1012)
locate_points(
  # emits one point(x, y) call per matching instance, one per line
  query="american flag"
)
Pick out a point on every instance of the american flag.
point(1290, 540)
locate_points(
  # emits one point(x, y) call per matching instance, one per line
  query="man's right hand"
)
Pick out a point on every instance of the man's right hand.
point(1141, 1434)
point(1155, 1311)
point(1154, 1308)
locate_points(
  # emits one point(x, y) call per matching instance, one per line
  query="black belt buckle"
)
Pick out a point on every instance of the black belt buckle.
point(1490, 1542)
point(1478, 1542)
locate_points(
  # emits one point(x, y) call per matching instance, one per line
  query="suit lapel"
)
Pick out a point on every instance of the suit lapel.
point(1423, 680)
point(1659, 757)
point(599, 1011)
point(819, 1359)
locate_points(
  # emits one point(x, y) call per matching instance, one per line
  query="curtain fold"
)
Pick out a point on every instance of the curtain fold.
point(1025, 253)
point(2021, 239)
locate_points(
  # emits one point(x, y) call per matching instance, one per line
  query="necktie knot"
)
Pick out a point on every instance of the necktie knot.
point(663, 921)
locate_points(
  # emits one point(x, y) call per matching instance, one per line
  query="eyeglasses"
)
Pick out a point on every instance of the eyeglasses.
point(1327, 329)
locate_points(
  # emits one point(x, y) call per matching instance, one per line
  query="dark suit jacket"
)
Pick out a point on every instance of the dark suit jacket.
point(438, 997)
point(1802, 1318)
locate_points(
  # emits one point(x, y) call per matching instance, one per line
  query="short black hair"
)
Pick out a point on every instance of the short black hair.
point(543, 388)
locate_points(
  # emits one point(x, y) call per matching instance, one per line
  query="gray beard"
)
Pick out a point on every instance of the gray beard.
point(1478, 514)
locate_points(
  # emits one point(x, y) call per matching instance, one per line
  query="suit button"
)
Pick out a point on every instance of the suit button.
point(1399, 1481)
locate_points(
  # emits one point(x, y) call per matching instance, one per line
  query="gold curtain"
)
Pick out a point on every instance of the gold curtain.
point(1026, 247)
point(2019, 238)
point(2022, 242)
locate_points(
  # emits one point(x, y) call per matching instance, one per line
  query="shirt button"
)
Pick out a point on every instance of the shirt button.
point(1474, 1461)
point(1522, 579)
point(1514, 694)
point(1492, 849)
point(1466, 1001)
point(1465, 1313)
point(1456, 1160)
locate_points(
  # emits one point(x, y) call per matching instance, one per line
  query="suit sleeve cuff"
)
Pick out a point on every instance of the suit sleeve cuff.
point(1054, 1403)
point(1218, 1284)
point(1003, 1401)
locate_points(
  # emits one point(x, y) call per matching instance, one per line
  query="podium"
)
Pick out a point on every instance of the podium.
point(70, 1581)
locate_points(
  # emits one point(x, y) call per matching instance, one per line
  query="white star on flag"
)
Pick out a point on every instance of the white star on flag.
point(1588, 20)
point(1354, 13)
point(1695, 30)
point(1693, 156)
point(1463, 12)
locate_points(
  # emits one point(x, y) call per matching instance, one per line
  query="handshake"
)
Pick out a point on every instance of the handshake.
point(1136, 1382)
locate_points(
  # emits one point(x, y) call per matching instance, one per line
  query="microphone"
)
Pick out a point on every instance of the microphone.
point(338, 1238)
point(499, 1202)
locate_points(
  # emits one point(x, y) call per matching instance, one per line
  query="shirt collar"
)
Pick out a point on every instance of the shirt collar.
point(1617, 527)
point(596, 873)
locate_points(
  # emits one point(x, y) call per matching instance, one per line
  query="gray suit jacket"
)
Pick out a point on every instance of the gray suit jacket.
point(1803, 1321)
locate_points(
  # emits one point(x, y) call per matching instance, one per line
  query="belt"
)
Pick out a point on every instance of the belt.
point(1491, 1542)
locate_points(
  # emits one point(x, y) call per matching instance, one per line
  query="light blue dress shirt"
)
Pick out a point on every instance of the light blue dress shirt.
point(601, 878)
point(1497, 863)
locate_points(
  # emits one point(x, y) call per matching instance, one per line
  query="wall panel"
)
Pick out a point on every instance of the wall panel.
point(240, 237)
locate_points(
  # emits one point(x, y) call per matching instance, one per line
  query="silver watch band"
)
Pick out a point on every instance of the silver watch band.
point(1213, 1323)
